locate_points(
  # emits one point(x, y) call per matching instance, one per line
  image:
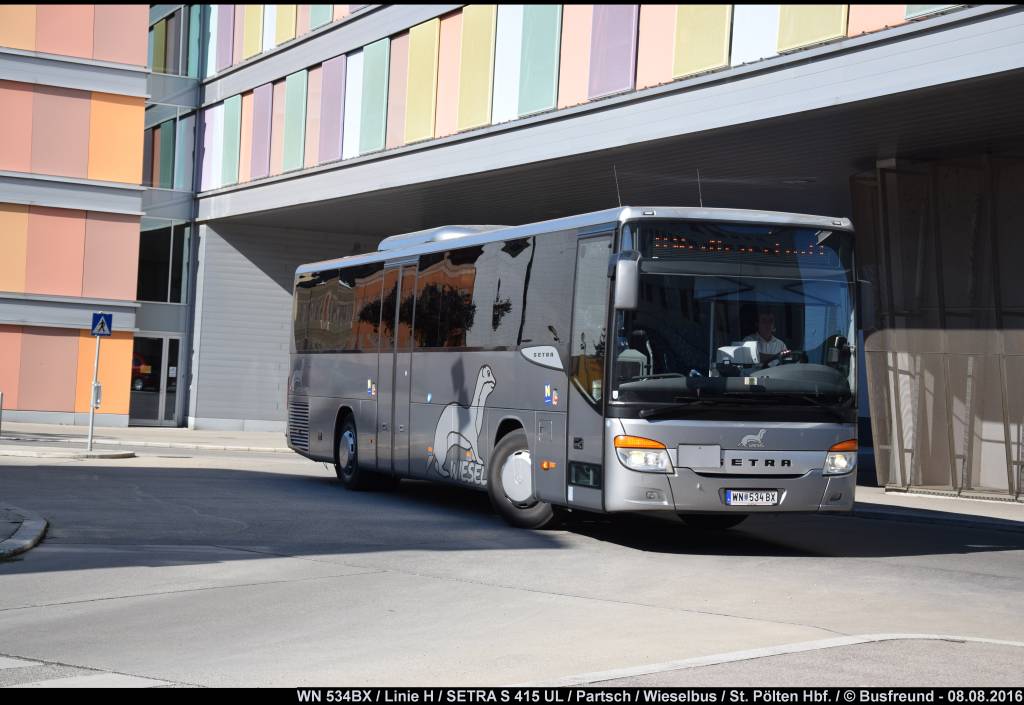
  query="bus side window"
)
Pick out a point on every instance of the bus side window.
point(547, 284)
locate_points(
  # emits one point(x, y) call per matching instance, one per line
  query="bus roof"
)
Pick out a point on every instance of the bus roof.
point(399, 247)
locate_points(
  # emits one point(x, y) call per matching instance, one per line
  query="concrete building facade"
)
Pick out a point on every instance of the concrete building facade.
point(281, 134)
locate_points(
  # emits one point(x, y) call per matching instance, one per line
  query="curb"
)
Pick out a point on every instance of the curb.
point(28, 535)
point(926, 516)
point(67, 454)
point(155, 444)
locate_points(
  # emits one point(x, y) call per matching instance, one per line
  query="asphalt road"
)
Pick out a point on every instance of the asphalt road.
point(218, 569)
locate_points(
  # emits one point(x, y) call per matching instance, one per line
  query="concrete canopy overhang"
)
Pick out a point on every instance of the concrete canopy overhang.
point(784, 134)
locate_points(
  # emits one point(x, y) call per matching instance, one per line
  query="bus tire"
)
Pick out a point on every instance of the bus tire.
point(530, 514)
point(712, 522)
point(346, 458)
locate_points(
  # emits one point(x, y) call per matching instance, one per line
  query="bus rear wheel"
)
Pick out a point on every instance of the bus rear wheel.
point(712, 522)
point(510, 484)
point(346, 458)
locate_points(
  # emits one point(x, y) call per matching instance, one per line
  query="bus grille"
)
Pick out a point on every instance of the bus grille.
point(298, 424)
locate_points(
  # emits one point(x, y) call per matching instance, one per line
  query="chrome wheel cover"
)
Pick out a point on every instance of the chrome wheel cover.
point(517, 477)
point(346, 450)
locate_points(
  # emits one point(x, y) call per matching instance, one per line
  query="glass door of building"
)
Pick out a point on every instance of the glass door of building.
point(154, 387)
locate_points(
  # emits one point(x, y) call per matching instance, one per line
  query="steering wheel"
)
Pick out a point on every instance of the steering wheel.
point(790, 357)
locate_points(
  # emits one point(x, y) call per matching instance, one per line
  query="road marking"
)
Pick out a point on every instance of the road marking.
point(749, 654)
point(96, 680)
point(6, 662)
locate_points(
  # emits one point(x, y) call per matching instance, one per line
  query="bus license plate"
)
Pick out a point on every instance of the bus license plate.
point(763, 498)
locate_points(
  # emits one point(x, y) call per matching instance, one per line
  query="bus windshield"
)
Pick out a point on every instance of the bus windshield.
point(737, 312)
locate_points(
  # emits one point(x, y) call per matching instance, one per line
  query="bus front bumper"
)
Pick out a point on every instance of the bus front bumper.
point(686, 491)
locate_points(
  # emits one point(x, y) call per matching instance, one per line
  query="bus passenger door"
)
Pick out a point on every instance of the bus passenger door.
point(403, 371)
point(386, 370)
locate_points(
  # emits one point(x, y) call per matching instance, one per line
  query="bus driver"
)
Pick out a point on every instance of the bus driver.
point(768, 346)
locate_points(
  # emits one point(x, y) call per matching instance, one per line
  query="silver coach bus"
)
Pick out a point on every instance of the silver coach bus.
point(696, 362)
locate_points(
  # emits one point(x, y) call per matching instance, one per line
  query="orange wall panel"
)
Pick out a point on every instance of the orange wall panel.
point(115, 138)
point(115, 372)
point(245, 141)
point(15, 126)
point(56, 251)
point(868, 18)
point(120, 34)
point(66, 29)
point(574, 67)
point(49, 367)
point(448, 55)
point(10, 364)
point(340, 12)
point(111, 260)
point(656, 46)
point(60, 131)
point(13, 246)
point(18, 27)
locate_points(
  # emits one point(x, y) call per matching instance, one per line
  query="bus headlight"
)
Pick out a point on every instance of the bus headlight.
point(841, 458)
point(642, 454)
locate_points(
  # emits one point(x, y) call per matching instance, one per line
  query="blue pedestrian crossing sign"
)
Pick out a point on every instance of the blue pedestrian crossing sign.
point(102, 323)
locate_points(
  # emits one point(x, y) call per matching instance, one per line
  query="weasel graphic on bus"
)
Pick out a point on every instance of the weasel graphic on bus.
point(466, 463)
point(754, 440)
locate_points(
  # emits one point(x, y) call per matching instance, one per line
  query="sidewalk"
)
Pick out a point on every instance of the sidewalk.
point(145, 436)
point(20, 530)
point(876, 503)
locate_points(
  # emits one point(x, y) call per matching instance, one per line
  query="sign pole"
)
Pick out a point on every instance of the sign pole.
point(92, 395)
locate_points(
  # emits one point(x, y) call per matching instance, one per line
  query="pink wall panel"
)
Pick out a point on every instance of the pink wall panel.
point(868, 18)
point(55, 252)
point(60, 131)
point(15, 126)
point(245, 143)
point(66, 29)
point(10, 364)
point(302, 20)
point(398, 75)
point(314, 82)
point(49, 368)
point(447, 116)
point(656, 45)
point(110, 269)
point(574, 71)
point(120, 34)
point(238, 46)
point(277, 131)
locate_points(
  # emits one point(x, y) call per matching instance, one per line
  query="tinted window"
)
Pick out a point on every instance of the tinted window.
point(445, 310)
point(590, 316)
point(300, 311)
point(338, 310)
point(547, 283)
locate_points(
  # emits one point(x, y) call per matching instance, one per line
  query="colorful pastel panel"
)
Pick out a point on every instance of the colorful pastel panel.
point(166, 173)
point(238, 38)
point(538, 69)
point(421, 86)
point(702, 38)
point(285, 27)
point(206, 150)
point(216, 125)
point(921, 10)
point(253, 43)
point(353, 105)
point(195, 27)
point(269, 27)
point(340, 12)
point(803, 25)
point(154, 175)
point(16, 126)
point(212, 36)
point(277, 130)
point(447, 112)
point(399, 65)
point(159, 58)
point(332, 109)
point(262, 119)
point(111, 263)
point(374, 102)
point(14, 246)
point(173, 45)
point(755, 32)
point(319, 15)
point(18, 27)
point(120, 33)
point(60, 131)
point(295, 120)
point(232, 140)
point(477, 65)
point(656, 45)
point(507, 62)
point(10, 364)
point(868, 18)
point(301, 20)
point(574, 64)
point(115, 372)
point(225, 35)
point(245, 141)
point(113, 154)
point(49, 367)
point(55, 252)
point(65, 29)
point(613, 49)
point(313, 88)
point(184, 152)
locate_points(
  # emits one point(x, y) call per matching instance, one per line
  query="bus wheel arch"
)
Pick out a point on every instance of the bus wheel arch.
point(512, 448)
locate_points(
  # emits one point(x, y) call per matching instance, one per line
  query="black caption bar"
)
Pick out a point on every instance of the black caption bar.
point(654, 696)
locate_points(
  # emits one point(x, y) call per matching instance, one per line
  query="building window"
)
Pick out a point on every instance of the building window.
point(163, 264)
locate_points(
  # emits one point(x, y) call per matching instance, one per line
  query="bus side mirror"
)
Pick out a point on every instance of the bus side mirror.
point(627, 281)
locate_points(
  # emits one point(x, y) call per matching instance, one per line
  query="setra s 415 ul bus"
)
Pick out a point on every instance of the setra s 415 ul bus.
point(693, 362)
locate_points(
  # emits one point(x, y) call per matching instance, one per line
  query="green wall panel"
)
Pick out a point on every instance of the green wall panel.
point(320, 15)
point(232, 140)
point(195, 27)
point(538, 67)
point(166, 175)
point(159, 46)
point(295, 87)
point(374, 113)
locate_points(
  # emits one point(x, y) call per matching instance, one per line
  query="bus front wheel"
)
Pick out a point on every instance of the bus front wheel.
point(510, 484)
